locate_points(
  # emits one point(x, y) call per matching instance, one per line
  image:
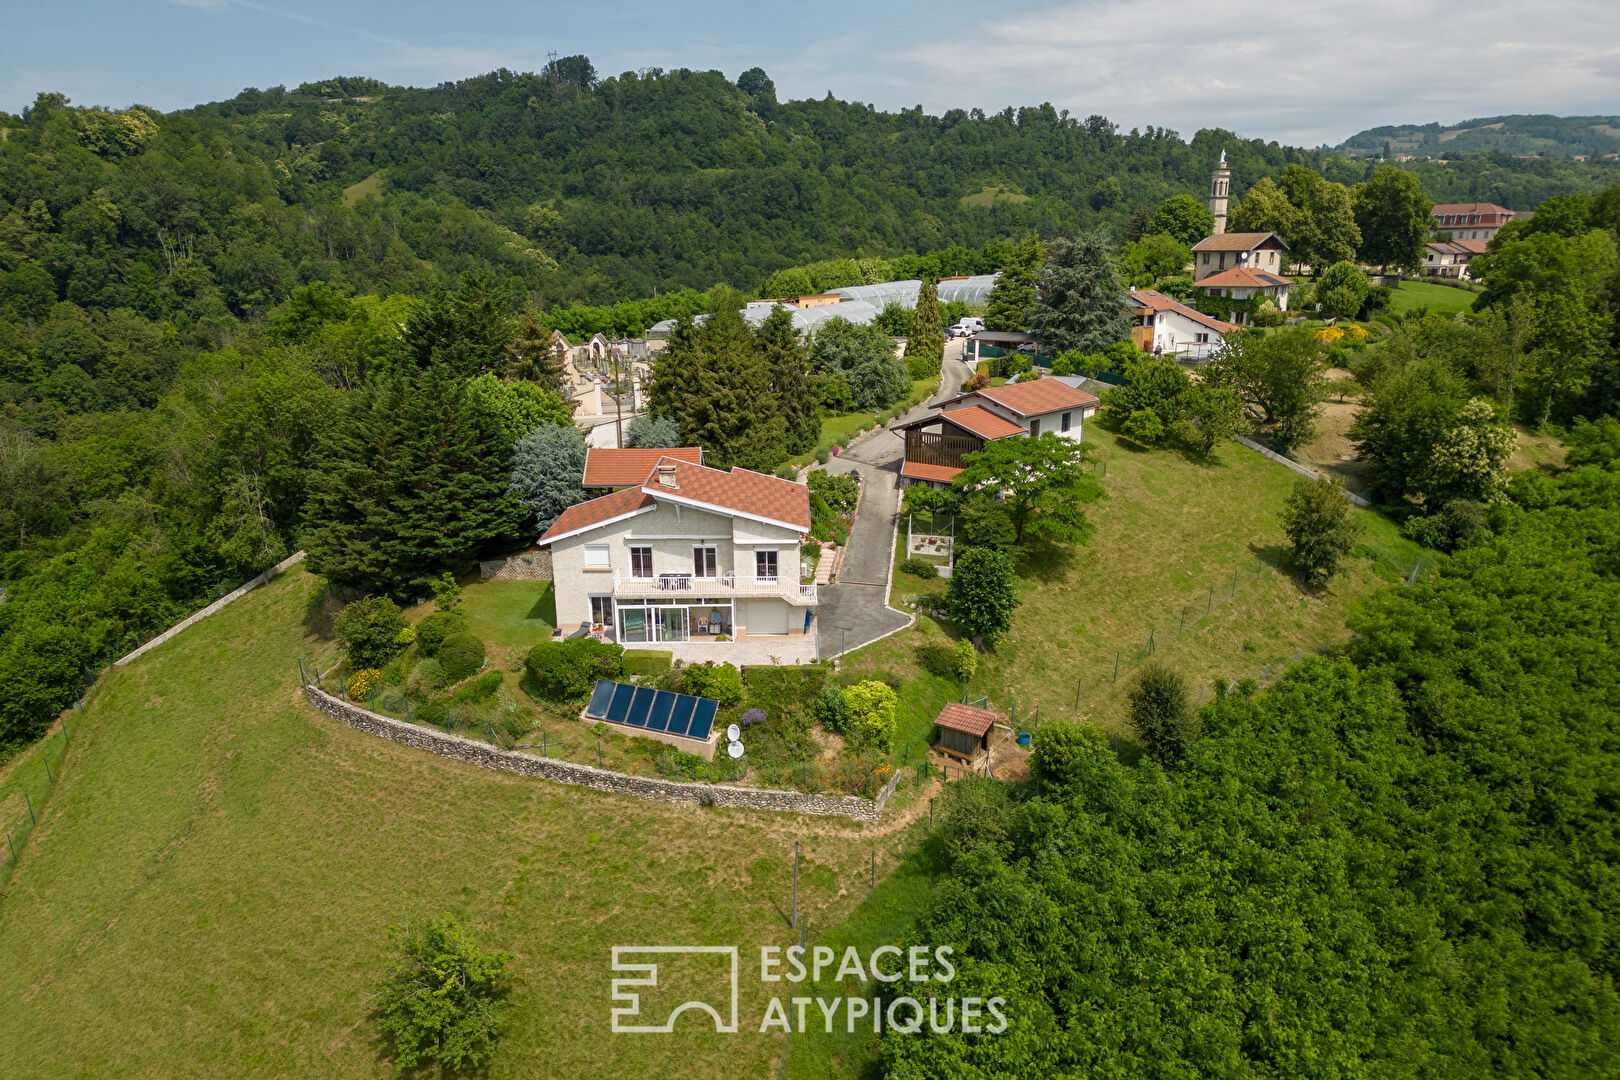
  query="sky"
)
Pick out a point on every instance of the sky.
point(1304, 73)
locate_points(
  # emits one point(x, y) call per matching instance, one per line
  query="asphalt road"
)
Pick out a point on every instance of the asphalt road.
point(854, 611)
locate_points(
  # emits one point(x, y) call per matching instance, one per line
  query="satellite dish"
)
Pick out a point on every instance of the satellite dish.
point(734, 749)
point(733, 732)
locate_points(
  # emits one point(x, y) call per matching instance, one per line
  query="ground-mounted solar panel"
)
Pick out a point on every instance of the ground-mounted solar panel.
point(600, 697)
point(703, 718)
point(640, 706)
point(663, 705)
point(619, 708)
point(653, 710)
point(681, 718)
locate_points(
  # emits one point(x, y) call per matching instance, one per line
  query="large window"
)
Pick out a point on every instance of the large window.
point(601, 611)
point(641, 562)
point(596, 556)
point(705, 563)
point(765, 565)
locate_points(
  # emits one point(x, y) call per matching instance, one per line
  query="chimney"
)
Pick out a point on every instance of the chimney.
point(666, 476)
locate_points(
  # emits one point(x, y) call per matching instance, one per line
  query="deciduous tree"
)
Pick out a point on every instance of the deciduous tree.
point(982, 594)
point(1316, 519)
point(1041, 482)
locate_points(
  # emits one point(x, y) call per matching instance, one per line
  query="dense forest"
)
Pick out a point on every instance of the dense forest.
point(191, 303)
point(1397, 863)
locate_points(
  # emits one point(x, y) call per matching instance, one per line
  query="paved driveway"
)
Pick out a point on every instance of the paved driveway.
point(854, 611)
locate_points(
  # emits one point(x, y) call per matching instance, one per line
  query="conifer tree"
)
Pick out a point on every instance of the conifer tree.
point(410, 483)
point(532, 356)
point(788, 363)
point(925, 348)
point(1082, 304)
point(1012, 297)
point(713, 381)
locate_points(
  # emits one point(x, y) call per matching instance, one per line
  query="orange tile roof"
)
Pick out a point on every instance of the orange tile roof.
point(1470, 208)
point(966, 718)
point(1242, 277)
point(594, 512)
point(739, 490)
point(982, 422)
point(1159, 302)
point(612, 467)
point(916, 470)
point(1237, 241)
point(1038, 396)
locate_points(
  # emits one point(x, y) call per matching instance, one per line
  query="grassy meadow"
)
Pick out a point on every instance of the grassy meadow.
point(209, 886)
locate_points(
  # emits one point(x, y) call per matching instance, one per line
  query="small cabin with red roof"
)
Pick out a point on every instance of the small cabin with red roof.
point(936, 444)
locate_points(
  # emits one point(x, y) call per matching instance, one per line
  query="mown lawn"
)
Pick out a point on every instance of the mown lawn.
point(1188, 560)
point(209, 886)
point(846, 425)
point(1439, 299)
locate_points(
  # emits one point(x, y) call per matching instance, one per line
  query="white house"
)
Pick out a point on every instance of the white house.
point(1167, 327)
point(1244, 250)
point(699, 561)
point(935, 444)
point(1450, 258)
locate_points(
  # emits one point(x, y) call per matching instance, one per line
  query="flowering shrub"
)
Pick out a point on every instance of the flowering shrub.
point(363, 682)
point(1330, 335)
point(752, 717)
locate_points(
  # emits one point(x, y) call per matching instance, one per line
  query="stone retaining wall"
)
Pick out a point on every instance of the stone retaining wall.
point(1305, 471)
point(486, 756)
point(292, 560)
point(527, 566)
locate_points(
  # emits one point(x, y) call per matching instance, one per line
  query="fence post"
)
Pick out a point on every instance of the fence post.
point(598, 751)
point(48, 775)
point(930, 813)
point(1115, 679)
point(1077, 693)
point(13, 845)
point(544, 750)
point(1183, 624)
point(32, 820)
point(1150, 642)
point(1210, 603)
point(1234, 582)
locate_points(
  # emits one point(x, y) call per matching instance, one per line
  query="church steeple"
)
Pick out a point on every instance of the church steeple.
point(1220, 187)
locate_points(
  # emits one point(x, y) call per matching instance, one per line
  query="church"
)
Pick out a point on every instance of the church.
point(1237, 266)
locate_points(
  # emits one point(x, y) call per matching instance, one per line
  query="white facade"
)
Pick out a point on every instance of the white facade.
point(1175, 333)
point(675, 576)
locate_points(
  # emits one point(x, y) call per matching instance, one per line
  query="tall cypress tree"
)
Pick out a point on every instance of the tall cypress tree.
point(925, 348)
point(714, 382)
point(1082, 304)
point(470, 330)
point(412, 482)
point(788, 363)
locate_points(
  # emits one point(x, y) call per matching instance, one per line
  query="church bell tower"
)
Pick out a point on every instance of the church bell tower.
point(1220, 186)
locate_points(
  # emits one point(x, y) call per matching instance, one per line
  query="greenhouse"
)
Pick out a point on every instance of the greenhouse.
point(973, 291)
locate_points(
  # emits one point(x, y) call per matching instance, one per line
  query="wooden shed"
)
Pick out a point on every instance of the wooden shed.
point(964, 731)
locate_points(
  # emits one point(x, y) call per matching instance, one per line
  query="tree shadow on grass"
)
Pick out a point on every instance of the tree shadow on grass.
point(1045, 561)
point(545, 607)
point(1276, 556)
point(320, 608)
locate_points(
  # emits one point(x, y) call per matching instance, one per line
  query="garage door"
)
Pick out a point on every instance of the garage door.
point(768, 617)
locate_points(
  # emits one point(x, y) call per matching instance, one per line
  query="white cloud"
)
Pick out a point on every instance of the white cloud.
point(1303, 73)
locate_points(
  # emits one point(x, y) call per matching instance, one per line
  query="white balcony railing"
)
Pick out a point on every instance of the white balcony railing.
point(727, 584)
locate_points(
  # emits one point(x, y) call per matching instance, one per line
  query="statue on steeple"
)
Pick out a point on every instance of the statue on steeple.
point(1220, 187)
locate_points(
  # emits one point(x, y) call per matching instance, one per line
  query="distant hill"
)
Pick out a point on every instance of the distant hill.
point(1547, 136)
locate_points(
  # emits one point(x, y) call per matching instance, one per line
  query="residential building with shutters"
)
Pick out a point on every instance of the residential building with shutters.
point(696, 560)
point(937, 443)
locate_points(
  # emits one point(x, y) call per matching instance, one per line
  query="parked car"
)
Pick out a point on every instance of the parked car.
point(967, 326)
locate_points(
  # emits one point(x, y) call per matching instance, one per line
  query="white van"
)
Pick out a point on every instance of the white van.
point(966, 326)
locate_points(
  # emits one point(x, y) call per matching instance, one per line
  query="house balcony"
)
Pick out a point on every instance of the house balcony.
point(731, 584)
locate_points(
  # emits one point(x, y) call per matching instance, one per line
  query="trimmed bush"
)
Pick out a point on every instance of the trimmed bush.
point(369, 629)
point(919, 568)
point(567, 670)
point(431, 631)
point(428, 677)
point(831, 709)
point(722, 682)
point(462, 655)
point(872, 706)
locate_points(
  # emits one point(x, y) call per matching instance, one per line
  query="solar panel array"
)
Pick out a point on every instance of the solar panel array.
point(652, 710)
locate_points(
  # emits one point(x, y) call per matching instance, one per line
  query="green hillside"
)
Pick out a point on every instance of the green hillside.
point(1549, 136)
point(209, 886)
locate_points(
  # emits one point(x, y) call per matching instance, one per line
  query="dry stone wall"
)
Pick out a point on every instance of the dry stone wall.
point(486, 756)
point(529, 566)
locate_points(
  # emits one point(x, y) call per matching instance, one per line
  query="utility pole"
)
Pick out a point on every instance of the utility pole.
point(618, 406)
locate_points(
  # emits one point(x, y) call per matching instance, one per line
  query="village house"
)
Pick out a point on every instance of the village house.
point(1470, 221)
point(702, 562)
point(1450, 258)
point(935, 444)
point(611, 467)
point(1215, 254)
point(1167, 327)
